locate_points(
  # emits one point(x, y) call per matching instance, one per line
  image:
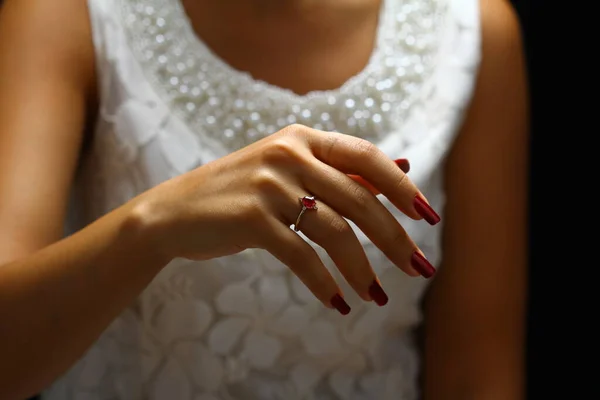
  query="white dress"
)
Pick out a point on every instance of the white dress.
point(243, 327)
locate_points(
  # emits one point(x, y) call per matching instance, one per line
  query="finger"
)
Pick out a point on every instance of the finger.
point(301, 258)
point(332, 232)
point(348, 153)
point(359, 179)
point(402, 163)
point(358, 204)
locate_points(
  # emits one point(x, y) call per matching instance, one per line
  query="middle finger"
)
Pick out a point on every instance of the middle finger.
point(352, 200)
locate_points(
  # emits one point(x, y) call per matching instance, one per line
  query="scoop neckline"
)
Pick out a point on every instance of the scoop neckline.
point(198, 46)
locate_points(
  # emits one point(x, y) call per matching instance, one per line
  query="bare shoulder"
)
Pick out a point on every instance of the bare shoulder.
point(49, 29)
point(501, 87)
point(499, 16)
point(42, 29)
point(502, 47)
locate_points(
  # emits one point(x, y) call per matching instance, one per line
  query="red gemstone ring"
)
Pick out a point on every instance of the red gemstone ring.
point(308, 203)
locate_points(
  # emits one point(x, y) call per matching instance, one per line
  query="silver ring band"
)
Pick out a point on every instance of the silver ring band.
point(308, 203)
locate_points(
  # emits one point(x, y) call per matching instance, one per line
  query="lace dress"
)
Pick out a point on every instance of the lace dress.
point(243, 327)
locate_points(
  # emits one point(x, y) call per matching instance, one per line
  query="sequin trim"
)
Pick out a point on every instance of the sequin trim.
point(234, 109)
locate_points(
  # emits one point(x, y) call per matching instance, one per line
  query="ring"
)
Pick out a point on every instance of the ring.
point(308, 203)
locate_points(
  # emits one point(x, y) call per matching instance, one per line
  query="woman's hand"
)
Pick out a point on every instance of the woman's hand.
point(250, 199)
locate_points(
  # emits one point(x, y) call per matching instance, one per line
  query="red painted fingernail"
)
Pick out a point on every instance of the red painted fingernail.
point(340, 304)
point(425, 210)
point(421, 264)
point(403, 164)
point(377, 294)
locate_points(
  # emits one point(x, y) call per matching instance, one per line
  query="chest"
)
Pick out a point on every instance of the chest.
point(302, 46)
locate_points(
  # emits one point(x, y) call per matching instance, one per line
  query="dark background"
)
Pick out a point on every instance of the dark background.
point(554, 342)
point(538, 365)
point(562, 338)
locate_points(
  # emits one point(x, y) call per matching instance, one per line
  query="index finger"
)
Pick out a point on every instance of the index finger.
point(348, 153)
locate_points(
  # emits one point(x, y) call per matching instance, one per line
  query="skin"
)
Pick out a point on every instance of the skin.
point(475, 308)
point(57, 295)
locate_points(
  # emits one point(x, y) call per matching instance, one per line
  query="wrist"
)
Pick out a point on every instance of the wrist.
point(145, 226)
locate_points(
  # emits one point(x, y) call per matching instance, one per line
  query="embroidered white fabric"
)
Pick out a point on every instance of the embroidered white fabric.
point(243, 327)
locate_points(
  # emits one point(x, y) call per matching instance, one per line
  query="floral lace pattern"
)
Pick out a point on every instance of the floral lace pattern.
point(244, 327)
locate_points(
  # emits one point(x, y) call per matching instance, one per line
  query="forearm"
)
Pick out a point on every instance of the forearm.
point(56, 302)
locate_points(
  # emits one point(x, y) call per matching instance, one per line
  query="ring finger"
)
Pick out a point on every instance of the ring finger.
point(304, 262)
point(328, 229)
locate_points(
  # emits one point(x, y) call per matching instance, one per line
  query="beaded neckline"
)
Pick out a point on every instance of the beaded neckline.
point(231, 109)
point(198, 45)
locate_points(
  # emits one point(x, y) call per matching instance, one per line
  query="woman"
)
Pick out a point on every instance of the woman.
point(215, 131)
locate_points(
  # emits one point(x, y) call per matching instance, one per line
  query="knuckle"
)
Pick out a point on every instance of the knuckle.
point(366, 149)
point(403, 183)
point(329, 145)
point(340, 227)
point(361, 198)
point(266, 181)
point(397, 242)
point(296, 129)
point(281, 149)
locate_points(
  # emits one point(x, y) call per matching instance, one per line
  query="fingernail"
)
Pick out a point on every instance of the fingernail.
point(340, 304)
point(377, 294)
point(421, 264)
point(425, 210)
point(403, 164)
